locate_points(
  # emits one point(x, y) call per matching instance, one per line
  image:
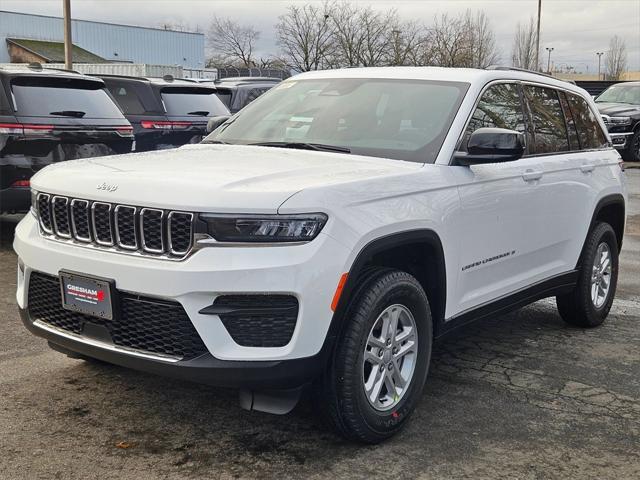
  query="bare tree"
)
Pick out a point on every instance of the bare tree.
point(481, 41)
point(524, 46)
point(347, 36)
point(615, 60)
point(233, 41)
point(376, 35)
point(450, 42)
point(305, 36)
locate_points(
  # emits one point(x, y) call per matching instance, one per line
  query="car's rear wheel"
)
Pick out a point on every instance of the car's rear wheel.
point(378, 371)
point(589, 303)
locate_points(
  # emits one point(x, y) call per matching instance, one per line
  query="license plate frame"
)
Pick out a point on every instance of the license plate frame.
point(88, 294)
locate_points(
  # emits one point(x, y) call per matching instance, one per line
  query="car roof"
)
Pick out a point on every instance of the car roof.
point(21, 70)
point(179, 82)
point(444, 74)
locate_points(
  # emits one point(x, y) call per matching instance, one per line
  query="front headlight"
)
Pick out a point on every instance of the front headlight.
point(620, 121)
point(264, 228)
point(34, 203)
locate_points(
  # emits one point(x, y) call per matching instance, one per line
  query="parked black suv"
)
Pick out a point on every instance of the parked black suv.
point(49, 116)
point(238, 92)
point(165, 112)
point(619, 106)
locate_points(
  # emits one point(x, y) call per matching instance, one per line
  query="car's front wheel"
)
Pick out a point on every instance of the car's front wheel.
point(381, 360)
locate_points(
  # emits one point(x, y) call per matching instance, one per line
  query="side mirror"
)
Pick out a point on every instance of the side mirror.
point(492, 145)
point(215, 122)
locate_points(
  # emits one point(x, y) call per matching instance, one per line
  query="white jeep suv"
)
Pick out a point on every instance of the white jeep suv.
point(328, 233)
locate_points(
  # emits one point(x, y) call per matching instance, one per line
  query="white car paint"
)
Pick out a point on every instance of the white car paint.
point(478, 212)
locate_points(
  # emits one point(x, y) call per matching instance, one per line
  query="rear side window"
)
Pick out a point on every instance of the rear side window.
point(499, 107)
point(547, 129)
point(192, 101)
point(589, 131)
point(62, 97)
point(126, 96)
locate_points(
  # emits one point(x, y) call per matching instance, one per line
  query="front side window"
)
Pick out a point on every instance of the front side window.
point(389, 118)
point(548, 129)
point(499, 107)
point(62, 97)
point(589, 132)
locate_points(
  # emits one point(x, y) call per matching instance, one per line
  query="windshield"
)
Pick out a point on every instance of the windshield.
point(397, 119)
point(621, 93)
point(193, 102)
point(57, 97)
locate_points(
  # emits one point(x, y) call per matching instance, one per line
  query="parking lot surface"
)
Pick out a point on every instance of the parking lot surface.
point(518, 396)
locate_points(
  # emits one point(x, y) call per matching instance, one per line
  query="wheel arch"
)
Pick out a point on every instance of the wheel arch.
point(610, 209)
point(398, 251)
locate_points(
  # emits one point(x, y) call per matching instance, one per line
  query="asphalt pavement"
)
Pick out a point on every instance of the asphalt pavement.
point(520, 396)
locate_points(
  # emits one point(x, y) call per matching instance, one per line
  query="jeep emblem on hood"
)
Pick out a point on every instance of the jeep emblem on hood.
point(106, 187)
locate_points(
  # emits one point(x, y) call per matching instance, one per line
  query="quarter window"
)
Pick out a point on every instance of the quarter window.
point(547, 129)
point(589, 131)
point(499, 107)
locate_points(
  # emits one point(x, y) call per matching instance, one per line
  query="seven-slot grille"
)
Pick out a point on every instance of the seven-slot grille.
point(124, 228)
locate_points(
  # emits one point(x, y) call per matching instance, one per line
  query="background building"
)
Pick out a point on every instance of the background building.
point(28, 38)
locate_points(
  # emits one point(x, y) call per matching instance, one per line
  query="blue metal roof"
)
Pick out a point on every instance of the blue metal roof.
point(124, 43)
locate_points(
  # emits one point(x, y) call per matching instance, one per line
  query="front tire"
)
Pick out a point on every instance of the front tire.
point(380, 364)
point(589, 303)
point(632, 152)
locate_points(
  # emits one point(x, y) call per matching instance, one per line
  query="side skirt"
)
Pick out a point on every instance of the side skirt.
point(556, 285)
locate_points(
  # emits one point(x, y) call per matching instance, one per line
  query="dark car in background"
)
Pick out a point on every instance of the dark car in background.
point(164, 112)
point(619, 106)
point(238, 92)
point(49, 116)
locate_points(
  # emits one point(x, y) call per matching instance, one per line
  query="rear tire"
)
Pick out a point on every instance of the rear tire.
point(589, 303)
point(377, 373)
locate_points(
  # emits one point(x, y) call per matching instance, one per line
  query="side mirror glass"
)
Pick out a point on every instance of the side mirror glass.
point(215, 122)
point(492, 145)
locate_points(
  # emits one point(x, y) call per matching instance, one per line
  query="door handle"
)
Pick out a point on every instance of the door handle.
point(531, 175)
point(587, 168)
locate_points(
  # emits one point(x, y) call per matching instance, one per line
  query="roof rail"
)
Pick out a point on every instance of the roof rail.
point(517, 69)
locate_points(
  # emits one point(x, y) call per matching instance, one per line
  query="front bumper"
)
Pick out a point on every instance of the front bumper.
point(205, 369)
point(310, 272)
point(620, 140)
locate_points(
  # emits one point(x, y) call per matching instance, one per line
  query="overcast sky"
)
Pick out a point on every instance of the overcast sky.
point(576, 29)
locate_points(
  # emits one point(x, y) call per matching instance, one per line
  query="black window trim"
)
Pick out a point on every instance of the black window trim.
point(520, 84)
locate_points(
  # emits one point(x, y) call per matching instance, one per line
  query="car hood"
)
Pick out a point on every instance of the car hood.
point(619, 109)
point(222, 178)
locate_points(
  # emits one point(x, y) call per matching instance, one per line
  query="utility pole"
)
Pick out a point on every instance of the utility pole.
point(68, 45)
point(549, 49)
point(599, 58)
point(538, 35)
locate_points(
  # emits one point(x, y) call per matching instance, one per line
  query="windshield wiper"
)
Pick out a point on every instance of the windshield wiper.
point(304, 146)
point(202, 113)
point(69, 113)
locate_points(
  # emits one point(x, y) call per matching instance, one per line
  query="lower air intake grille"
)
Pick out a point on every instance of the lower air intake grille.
point(143, 324)
point(259, 320)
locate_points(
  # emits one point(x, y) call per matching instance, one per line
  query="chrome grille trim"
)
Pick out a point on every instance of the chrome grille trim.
point(146, 248)
point(44, 228)
point(94, 228)
point(169, 229)
point(74, 230)
point(118, 217)
point(116, 213)
point(52, 208)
